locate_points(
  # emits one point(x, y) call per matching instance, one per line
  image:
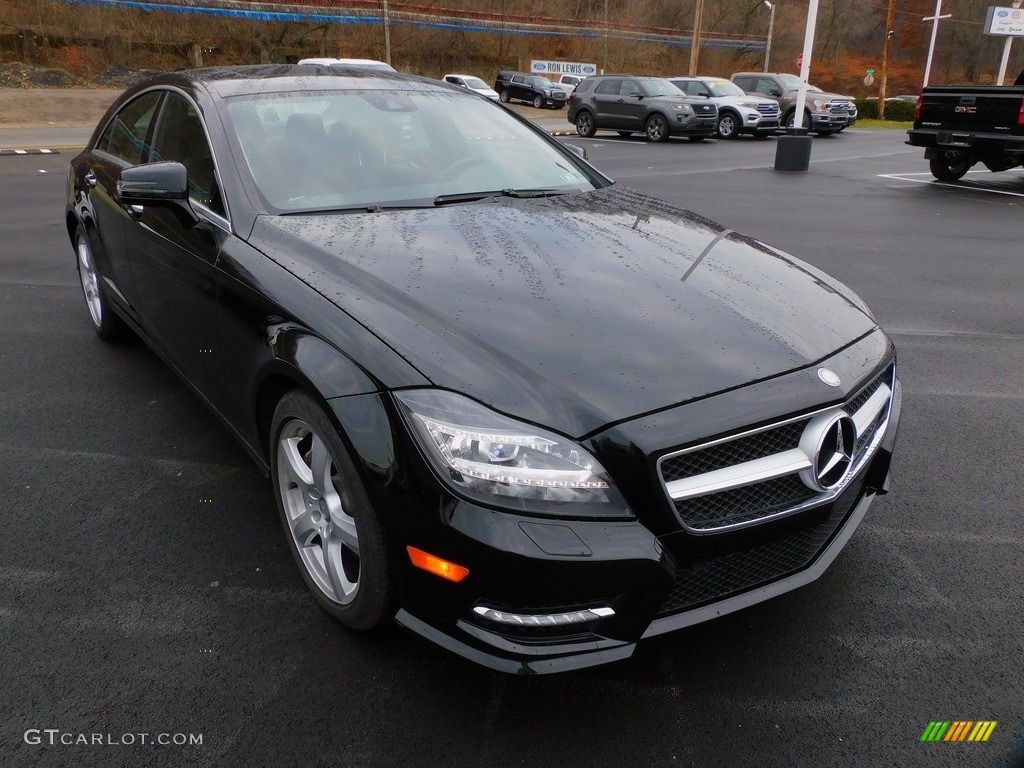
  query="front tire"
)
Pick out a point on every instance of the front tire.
point(331, 528)
point(949, 169)
point(585, 124)
point(727, 126)
point(656, 128)
point(107, 325)
point(538, 102)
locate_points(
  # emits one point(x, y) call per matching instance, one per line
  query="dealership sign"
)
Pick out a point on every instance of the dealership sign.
point(1005, 21)
point(538, 67)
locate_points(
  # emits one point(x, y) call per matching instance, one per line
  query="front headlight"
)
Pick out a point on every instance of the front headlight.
point(684, 108)
point(820, 105)
point(486, 456)
point(748, 104)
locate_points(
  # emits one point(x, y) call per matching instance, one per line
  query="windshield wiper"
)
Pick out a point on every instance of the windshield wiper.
point(469, 197)
point(361, 208)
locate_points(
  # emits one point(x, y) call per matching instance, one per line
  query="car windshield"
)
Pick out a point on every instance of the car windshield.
point(658, 86)
point(724, 88)
point(541, 82)
point(329, 150)
point(476, 83)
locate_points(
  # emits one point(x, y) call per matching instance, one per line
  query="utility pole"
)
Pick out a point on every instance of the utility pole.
point(890, 19)
point(604, 65)
point(387, 33)
point(695, 45)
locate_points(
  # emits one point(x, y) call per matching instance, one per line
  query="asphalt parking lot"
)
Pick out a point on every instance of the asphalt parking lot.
point(145, 586)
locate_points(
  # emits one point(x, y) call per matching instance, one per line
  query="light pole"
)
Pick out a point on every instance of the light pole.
point(771, 28)
point(935, 29)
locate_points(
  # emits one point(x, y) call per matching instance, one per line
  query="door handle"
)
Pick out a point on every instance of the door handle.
point(90, 178)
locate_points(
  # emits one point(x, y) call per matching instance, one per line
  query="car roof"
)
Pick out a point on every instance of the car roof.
point(271, 78)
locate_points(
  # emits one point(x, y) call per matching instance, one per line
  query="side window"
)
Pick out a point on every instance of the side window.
point(518, 79)
point(125, 136)
point(179, 137)
point(765, 85)
point(453, 80)
point(693, 88)
point(745, 83)
point(608, 87)
point(630, 88)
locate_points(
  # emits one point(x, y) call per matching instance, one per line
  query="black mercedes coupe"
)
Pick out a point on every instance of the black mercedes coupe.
point(524, 412)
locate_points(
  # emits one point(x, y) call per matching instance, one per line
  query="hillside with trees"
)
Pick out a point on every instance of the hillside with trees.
point(87, 38)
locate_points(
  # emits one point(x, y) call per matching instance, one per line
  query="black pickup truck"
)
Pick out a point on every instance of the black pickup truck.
point(960, 125)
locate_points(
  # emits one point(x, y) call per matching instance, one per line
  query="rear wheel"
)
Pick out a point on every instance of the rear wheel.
point(107, 325)
point(331, 528)
point(656, 128)
point(585, 124)
point(728, 127)
point(949, 167)
point(503, 96)
point(538, 102)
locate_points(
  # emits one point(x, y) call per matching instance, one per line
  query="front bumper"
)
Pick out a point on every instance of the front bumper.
point(694, 125)
point(561, 594)
point(832, 121)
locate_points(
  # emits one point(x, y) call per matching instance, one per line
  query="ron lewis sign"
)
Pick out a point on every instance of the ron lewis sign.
point(538, 67)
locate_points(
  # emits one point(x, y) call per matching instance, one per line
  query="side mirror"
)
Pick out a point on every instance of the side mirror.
point(577, 150)
point(775, 92)
point(164, 184)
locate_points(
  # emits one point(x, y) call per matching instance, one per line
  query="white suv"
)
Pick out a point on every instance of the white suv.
point(355, 63)
point(737, 112)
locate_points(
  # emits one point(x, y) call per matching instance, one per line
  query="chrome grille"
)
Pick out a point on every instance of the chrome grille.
point(769, 473)
point(772, 110)
point(703, 109)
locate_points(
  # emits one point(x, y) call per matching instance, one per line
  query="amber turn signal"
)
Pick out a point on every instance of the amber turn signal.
point(436, 565)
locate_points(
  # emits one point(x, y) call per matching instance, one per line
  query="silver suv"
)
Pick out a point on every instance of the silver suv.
point(738, 113)
point(824, 113)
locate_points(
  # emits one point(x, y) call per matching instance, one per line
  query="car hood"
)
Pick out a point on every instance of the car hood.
point(819, 95)
point(574, 311)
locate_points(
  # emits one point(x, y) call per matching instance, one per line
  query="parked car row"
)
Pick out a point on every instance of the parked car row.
point(757, 104)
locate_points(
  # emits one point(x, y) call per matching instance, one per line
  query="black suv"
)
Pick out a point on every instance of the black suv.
point(533, 89)
point(630, 104)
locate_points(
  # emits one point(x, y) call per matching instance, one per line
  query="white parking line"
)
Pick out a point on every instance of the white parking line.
point(955, 185)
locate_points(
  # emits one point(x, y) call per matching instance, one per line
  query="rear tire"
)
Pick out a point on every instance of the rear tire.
point(585, 124)
point(503, 97)
point(947, 169)
point(108, 326)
